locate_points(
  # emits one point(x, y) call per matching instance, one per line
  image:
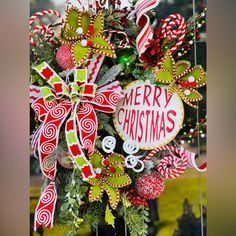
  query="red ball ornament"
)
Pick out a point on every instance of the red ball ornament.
point(64, 57)
point(113, 169)
point(105, 162)
point(150, 186)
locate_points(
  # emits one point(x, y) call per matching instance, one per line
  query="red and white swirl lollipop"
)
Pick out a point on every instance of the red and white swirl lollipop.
point(170, 166)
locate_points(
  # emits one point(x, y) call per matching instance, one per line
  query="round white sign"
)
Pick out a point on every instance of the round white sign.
point(148, 114)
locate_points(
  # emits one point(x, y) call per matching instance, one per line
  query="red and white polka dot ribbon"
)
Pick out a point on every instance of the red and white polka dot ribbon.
point(169, 30)
point(46, 30)
point(179, 163)
point(143, 21)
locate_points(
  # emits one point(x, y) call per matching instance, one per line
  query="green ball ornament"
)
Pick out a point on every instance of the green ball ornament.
point(124, 55)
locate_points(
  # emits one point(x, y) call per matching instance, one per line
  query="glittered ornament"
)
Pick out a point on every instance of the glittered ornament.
point(150, 186)
point(64, 57)
point(124, 55)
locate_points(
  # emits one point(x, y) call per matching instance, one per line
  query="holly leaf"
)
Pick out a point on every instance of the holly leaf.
point(94, 181)
point(168, 62)
point(98, 24)
point(96, 159)
point(70, 34)
point(196, 72)
point(95, 193)
point(102, 46)
point(119, 181)
point(113, 194)
point(163, 76)
point(182, 68)
point(84, 21)
point(202, 81)
point(80, 53)
point(194, 95)
point(116, 158)
point(171, 88)
point(185, 98)
point(109, 217)
point(72, 18)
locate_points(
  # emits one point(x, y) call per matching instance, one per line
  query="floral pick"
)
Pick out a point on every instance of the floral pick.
point(110, 176)
point(181, 78)
point(84, 33)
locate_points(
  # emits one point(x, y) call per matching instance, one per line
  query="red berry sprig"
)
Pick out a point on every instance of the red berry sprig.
point(134, 198)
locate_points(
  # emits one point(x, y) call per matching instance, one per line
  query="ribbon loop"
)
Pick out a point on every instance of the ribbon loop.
point(47, 94)
point(46, 206)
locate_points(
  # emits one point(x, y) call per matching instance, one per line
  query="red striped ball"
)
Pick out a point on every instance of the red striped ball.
point(150, 186)
point(64, 57)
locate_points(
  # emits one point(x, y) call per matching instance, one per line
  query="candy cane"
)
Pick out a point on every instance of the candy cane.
point(49, 33)
point(101, 3)
point(180, 163)
point(143, 21)
point(167, 31)
point(124, 43)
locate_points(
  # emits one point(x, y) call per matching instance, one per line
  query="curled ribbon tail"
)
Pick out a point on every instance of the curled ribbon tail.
point(48, 139)
point(44, 213)
point(47, 143)
point(143, 21)
point(75, 148)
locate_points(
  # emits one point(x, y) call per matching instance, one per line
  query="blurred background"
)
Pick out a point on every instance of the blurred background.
point(177, 211)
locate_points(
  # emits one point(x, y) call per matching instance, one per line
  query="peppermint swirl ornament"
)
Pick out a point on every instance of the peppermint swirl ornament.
point(64, 57)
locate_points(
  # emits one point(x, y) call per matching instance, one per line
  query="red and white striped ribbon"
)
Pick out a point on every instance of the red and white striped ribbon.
point(168, 29)
point(93, 66)
point(115, 85)
point(143, 21)
point(46, 30)
point(191, 162)
point(179, 163)
point(34, 93)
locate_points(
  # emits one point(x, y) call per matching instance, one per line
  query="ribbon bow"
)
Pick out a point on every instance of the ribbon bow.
point(79, 99)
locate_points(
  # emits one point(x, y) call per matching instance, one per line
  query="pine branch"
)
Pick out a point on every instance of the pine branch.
point(136, 219)
point(104, 123)
point(110, 75)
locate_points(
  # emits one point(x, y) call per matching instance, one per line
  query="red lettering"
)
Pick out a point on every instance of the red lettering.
point(168, 97)
point(118, 118)
point(131, 133)
point(171, 112)
point(162, 126)
point(137, 122)
point(126, 121)
point(154, 127)
point(157, 94)
point(141, 126)
point(128, 100)
point(147, 124)
point(146, 94)
point(136, 96)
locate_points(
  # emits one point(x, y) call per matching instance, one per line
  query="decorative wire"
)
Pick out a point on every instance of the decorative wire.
point(198, 136)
